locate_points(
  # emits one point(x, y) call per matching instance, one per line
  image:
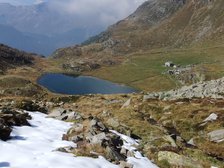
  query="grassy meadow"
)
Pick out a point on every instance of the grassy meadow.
point(145, 71)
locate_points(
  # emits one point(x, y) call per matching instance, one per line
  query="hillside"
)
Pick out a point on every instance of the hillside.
point(19, 71)
point(10, 58)
point(164, 45)
point(184, 31)
point(159, 24)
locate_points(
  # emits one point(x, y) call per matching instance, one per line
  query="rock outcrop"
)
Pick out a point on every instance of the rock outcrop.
point(10, 118)
point(210, 89)
point(94, 139)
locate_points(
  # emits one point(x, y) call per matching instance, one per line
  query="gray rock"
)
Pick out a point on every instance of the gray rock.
point(113, 122)
point(113, 154)
point(76, 128)
point(56, 112)
point(126, 104)
point(125, 165)
point(97, 139)
point(191, 142)
point(65, 115)
point(170, 140)
point(95, 124)
point(123, 151)
point(211, 117)
point(76, 138)
point(212, 89)
point(70, 116)
point(216, 136)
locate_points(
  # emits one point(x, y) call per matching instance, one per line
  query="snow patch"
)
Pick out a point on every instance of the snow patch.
point(138, 161)
point(36, 146)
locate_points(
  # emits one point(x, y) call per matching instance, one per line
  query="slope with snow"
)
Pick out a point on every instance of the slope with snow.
point(36, 146)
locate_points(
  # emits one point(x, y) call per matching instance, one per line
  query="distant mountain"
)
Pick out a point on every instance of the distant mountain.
point(37, 19)
point(30, 43)
point(39, 29)
point(156, 24)
point(37, 43)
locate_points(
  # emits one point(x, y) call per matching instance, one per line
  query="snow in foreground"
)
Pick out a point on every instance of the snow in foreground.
point(35, 147)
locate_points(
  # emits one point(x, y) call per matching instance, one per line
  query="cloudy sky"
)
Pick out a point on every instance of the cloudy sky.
point(21, 2)
point(86, 13)
point(108, 11)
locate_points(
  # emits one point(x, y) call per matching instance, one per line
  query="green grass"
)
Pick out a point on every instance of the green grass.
point(144, 71)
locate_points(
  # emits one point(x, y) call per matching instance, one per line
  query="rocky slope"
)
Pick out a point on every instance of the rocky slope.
point(210, 89)
point(11, 58)
point(177, 133)
point(155, 24)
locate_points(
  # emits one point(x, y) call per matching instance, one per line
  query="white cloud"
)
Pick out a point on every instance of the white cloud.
point(18, 2)
point(102, 11)
point(86, 13)
point(39, 1)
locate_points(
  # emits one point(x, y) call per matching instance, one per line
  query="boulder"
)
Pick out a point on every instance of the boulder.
point(97, 125)
point(56, 112)
point(70, 116)
point(14, 118)
point(9, 118)
point(4, 131)
point(114, 155)
point(98, 139)
point(65, 115)
point(216, 136)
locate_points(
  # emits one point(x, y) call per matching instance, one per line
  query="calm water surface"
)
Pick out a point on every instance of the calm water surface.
point(81, 85)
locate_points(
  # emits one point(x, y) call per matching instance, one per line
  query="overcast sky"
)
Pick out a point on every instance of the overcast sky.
point(102, 12)
point(21, 2)
point(111, 7)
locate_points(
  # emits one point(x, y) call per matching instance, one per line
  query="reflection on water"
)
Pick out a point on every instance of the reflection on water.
point(80, 85)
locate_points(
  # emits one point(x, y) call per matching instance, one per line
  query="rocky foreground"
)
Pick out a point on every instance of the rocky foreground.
point(183, 127)
point(187, 132)
point(31, 128)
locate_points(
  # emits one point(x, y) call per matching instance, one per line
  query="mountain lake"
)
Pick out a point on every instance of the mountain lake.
point(81, 85)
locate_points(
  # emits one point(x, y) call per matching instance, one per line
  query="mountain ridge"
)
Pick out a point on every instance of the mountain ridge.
point(159, 24)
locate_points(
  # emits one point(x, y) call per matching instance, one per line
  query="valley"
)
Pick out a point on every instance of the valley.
point(171, 51)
